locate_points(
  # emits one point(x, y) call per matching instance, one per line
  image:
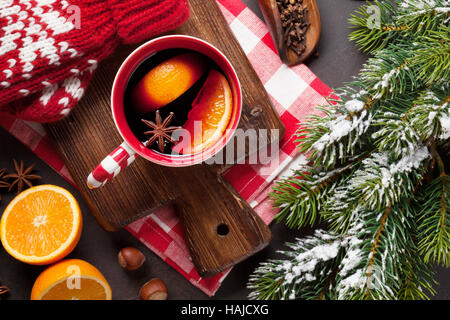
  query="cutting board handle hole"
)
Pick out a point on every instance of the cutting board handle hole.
point(222, 229)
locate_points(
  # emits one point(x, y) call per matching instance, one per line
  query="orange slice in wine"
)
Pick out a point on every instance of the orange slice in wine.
point(210, 114)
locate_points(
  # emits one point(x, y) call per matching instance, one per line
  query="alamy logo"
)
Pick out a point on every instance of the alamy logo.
point(374, 19)
point(373, 277)
point(247, 146)
point(73, 282)
point(75, 15)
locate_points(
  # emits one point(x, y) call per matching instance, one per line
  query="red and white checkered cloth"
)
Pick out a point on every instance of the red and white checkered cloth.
point(294, 92)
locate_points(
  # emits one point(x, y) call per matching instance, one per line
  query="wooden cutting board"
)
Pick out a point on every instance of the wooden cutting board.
point(221, 229)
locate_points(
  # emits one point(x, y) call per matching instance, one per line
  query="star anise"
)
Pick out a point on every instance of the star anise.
point(22, 177)
point(160, 130)
point(3, 183)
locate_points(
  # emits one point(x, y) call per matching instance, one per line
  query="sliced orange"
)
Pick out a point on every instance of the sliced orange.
point(41, 225)
point(168, 81)
point(71, 279)
point(211, 110)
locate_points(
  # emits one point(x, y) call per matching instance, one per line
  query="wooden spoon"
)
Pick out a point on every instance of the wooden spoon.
point(272, 17)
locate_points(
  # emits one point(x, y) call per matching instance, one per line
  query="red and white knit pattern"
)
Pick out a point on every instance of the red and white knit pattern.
point(37, 55)
point(49, 49)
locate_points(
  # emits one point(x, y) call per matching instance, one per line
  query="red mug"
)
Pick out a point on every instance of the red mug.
point(126, 153)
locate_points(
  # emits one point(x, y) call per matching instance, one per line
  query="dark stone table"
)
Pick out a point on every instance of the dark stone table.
point(337, 63)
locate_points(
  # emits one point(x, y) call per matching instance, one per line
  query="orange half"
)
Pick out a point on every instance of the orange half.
point(71, 279)
point(41, 225)
point(210, 114)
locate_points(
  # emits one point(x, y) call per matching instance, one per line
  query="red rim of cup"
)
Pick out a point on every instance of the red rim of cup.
point(130, 65)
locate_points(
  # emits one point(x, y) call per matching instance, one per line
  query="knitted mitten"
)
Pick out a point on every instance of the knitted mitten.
point(49, 49)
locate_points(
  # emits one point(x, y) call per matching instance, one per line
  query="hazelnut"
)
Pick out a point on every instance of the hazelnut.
point(155, 289)
point(130, 258)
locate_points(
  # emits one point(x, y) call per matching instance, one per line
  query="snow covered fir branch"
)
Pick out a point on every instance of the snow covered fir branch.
point(378, 172)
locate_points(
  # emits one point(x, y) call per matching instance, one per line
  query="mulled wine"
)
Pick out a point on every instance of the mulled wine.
point(180, 86)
